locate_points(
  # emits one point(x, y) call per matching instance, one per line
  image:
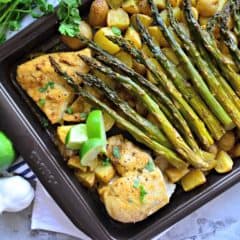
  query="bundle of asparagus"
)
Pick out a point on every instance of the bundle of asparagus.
point(192, 113)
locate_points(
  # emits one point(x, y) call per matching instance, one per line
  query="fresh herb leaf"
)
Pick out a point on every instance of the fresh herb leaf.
point(83, 115)
point(42, 89)
point(143, 193)
point(136, 183)
point(45, 88)
point(41, 102)
point(116, 152)
point(106, 162)
point(69, 110)
point(51, 84)
point(116, 31)
point(69, 17)
point(150, 165)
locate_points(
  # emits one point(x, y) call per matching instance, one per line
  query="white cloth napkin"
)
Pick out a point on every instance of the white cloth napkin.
point(217, 220)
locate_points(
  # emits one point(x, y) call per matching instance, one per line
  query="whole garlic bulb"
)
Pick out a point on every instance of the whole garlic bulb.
point(15, 194)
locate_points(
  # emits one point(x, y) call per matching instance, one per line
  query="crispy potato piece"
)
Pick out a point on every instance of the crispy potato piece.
point(133, 36)
point(213, 149)
point(235, 151)
point(227, 142)
point(207, 8)
point(203, 21)
point(138, 67)
point(108, 121)
point(161, 162)
point(171, 55)
point(105, 43)
point(144, 7)
point(75, 43)
point(86, 178)
point(98, 13)
point(118, 18)
point(38, 78)
point(130, 6)
point(175, 174)
point(125, 58)
point(145, 20)
point(104, 173)
point(74, 162)
point(146, 51)
point(224, 162)
point(62, 132)
point(115, 3)
point(193, 179)
point(158, 36)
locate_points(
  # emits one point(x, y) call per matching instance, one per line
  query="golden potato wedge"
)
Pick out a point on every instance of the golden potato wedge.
point(235, 151)
point(158, 36)
point(62, 132)
point(161, 162)
point(108, 121)
point(227, 142)
point(86, 178)
point(203, 21)
point(101, 39)
point(139, 68)
point(213, 149)
point(151, 78)
point(145, 20)
point(146, 51)
point(118, 18)
point(224, 162)
point(115, 3)
point(130, 6)
point(193, 179)
point(125, 58)
point(144, 7)
point(133, 36)
point(98, 13)
point(207, 8)
point(74, 162)
point(175, 174)
point(105, 173)
point(75, 43)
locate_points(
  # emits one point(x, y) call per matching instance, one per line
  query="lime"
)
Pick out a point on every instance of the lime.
point(95, 125)
point(76, 136)
point(90, 150)
point(7, 153)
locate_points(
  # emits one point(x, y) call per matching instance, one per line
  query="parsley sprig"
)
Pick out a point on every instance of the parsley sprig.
point(69, 17)
point(12, 12)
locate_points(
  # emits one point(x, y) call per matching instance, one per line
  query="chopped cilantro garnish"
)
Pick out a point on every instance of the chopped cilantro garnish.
point(116, 152)
point(45, 88)
point(143, 193)
point(41, 102)
point(51, 84)
point(136, 183)
point(106, 162)
point(116, 31)
point(150, 165)
point(69, 110)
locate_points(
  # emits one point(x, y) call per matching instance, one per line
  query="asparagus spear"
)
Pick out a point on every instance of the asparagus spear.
point(135, 131)
point(228, 40)
point(235, 4)
point(210, 44)
point(184, 87)
point(203, 67)
point(182, 127)
point(175, 138)
point(150, 129)
point(194, 75)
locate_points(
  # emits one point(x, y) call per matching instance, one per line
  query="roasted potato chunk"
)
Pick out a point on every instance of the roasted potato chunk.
point(62, 132)
point(175, 174)
point(125, 58)
point(207, 8)
point(235, 151)
point(145, 20)
point(193, 179)
point(115, 3)
point(130, 6)
point(75, 43)
point(224, 162)
point(158, 36)
point(74, 162)
point(101, 39)
point(104, 173)
point(86, 178)
point(227, 142)
point(133, 36)
point(118, 18)
point(98, 13)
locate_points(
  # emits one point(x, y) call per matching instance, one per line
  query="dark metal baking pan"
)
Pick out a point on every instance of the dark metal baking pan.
point(19, 118)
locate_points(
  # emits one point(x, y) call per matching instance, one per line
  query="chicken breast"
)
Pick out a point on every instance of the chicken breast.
point(126, 156)
point(136, 195)
point(50, 91)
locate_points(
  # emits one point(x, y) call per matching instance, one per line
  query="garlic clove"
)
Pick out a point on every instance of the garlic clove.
point(15, 194)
